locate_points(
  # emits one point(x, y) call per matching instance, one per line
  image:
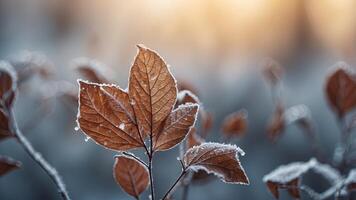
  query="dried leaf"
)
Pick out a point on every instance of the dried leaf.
point(288, 176)
point(8, 81)
point(277, 123)
point(106, 116)
point(220, 159)
point(8, 164)
point(5, 130)
point(131, 175)
point(152, 91)
point(206, 122)
point(341, 89)
point(235, 124)
point(272, 71)
point(185, 96)
point(176, 127)
point(90, 69)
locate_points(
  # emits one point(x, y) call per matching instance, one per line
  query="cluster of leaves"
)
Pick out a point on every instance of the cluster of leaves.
point(153, 116)
point(341, 95)
point(9, 81)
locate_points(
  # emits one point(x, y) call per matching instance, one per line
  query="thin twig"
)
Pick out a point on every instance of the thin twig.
point(38, 158)
point(150, 158)
point(175, 183)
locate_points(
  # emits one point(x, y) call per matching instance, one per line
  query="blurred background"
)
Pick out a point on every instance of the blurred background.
point(215, 45)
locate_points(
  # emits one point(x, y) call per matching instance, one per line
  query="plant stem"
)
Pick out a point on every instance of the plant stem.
point(150, 158)
point(135, 157)
point(38, 158)
point(175, 183)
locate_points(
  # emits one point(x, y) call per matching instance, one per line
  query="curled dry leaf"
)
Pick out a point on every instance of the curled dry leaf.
point(8, 164)
point(131, 175)
point(277, 123)
point(272, 71)
point(5, 130)
point(152, 91)
point(8, 81)
point(341, 89)
point(289, 177)
point(105, 115)
point(185, 96)
point(176, 127)
point(220, 159)
point(90, 69)
point(7, 96)
point(235, 124)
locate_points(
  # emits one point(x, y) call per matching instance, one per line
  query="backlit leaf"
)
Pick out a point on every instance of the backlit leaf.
point(277, 123)
point(131, 175)
point(220, 159)
point(341, 89)
point(176, 127)
point(235, 124)
point(105, 115)
point(152, 91)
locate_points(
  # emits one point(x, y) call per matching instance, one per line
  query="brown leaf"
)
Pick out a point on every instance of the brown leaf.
point(220, 159)
point(206, 122)
point(106, 116)
point(341, 89)
point(235, 124)
point(131, 175)
point(5, 130)
point(91, 70)
point(293, 188)
point(277, 123)
point(152, 91)
point(193, 139)
point(176, 127)
point(273, 188)
point(272, 71)
point(8, 164)
point(7, 84)
point(185, 96)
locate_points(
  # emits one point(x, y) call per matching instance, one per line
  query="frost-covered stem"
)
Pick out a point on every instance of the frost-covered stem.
point(38, 158)
point(184, 171)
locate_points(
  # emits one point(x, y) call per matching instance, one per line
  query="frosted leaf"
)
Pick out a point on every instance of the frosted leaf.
point(8, 164)
point(186, 96)
point(91, 69)
point(286, 173)
point(221, 160)
point(328, 172)
point(350, 181)
point(176, 127)
point(296, 113)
